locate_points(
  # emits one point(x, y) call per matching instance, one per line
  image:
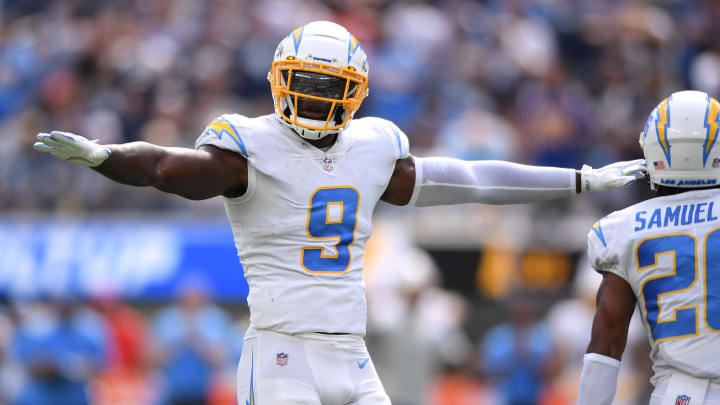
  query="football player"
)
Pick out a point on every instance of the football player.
point(664, 255)
point(300, 187)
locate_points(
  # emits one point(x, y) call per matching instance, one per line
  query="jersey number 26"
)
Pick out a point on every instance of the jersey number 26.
point(683, 248)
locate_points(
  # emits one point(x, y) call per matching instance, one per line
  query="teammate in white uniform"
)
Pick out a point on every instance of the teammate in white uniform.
point(300, 187)
point(664, 254)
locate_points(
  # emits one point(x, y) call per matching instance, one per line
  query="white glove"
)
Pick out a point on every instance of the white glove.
point(73, 148)
point(620, 174)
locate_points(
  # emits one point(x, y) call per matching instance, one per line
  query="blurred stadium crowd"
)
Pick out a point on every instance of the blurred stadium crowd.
point(550, 82)
point(547, 82)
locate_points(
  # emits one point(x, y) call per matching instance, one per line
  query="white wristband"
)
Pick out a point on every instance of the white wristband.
point(598, 380)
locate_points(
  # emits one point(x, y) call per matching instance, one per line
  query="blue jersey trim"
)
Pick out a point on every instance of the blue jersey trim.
point(599, 232)
point(397, 138)
point(252, 390)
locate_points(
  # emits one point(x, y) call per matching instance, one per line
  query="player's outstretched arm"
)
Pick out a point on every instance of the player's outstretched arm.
point(193, 174)
point(601, 365)
point(440, 181)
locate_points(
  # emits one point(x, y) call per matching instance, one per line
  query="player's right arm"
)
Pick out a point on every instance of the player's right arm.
point(194, 174)
point(430, 181)
point(614, 308)
point(601, 364)
point(615, 304)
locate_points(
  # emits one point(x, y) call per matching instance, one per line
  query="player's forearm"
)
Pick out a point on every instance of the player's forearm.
point(442, 181)
point(134, 164)
point(186, 172)
point(614, 308)
point(608, 338)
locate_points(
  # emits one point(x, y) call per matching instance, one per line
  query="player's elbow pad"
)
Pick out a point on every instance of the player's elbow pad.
point(598, 380)
point(443, 181)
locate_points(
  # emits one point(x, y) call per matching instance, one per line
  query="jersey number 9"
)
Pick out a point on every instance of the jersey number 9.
point(332, 216)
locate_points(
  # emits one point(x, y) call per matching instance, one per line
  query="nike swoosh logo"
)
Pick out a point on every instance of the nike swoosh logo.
point(362, 364)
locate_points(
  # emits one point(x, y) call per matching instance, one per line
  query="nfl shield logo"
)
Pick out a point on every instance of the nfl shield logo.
point(327, 163)
point(682, 400)
point(716, 163)
point(281, 359)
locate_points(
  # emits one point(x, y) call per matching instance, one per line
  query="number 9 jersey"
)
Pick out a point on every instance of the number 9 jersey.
point(301, 227)
point(668, 250)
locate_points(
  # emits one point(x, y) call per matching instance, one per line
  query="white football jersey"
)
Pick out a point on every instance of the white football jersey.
point(300, 229)
point(668, 250)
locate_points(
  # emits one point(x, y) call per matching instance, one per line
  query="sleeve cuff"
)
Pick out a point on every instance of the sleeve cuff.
point(600, 358)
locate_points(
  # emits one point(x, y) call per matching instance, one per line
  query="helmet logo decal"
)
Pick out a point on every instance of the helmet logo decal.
point(297, 37)
point(353, 46)
point(712, 122)
point(662, 122)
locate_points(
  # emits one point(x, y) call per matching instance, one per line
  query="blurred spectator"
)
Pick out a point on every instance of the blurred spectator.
point(124, 379)
point(570, 323)
point(460, 387)
point(417, 329)
point(9, 373)
point(60, 346)
point(191, 345)
point(516, 354)
point(127, 334)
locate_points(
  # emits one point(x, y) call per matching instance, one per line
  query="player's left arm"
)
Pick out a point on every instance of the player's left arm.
point(601, 364)
point(441, 181)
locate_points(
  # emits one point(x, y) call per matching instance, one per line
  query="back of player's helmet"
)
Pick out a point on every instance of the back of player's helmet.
point(679, 141)
point(319, 78)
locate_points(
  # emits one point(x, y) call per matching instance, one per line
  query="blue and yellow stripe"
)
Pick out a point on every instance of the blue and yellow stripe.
point(599, 232)
point(353, 46)
point(297, 37)
point(712, 123)
point(662, 122)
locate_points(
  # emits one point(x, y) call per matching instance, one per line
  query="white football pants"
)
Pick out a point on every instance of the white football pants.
point(307, 369)
point(712, 396)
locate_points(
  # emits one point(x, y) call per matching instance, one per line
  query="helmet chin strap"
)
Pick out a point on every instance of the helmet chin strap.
point(299, 132)
point(316, 142)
